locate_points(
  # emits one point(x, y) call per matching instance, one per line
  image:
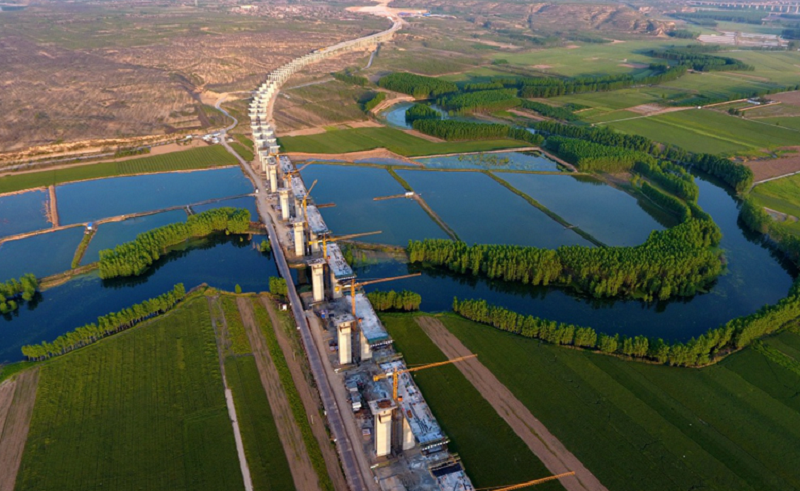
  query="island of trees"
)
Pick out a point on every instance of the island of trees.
point(133, 258)
point(13, 290)
point(403, 300)
point(678, 262)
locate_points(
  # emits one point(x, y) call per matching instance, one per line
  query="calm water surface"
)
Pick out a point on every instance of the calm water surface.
point(222, 262)
point(528, 161)
point(91, 200)
point(482, 211)
point(42, 255)
point(24, 212)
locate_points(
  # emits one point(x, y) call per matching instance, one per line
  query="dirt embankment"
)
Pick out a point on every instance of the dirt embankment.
point(769, 169)
point(291, 438)
point(553, 454)
point(17, 398)
point(378, 153)
point(310, 400)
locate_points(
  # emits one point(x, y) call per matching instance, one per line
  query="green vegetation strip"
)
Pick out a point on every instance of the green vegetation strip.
point(266, 457)
point(81, 250)
point(243, 151)
point(142, 410)
point(731, 426)
point(397, 141)
point(492, 453)
point(298, 410)
point(545, 210)
point(239, 344)
point(196, 158)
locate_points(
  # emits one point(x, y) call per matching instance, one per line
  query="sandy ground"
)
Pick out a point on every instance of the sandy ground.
point(419, 134)
point(310, 401)
point(378, 153)
point(792, 98)
point(292, 439)
point(653, 109)
point(17, 399)
point(342, 126)
point(544, 445)
point(770, 169)
point(527, 114)
point(237, 436)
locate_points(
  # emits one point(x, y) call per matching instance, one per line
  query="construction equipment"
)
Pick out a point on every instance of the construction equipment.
point(396, 374)
point(305, 200)
point(353, 284)
point(529, 483)
point(325, 239)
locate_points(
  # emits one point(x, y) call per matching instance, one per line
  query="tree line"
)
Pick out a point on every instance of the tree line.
point(349, 78)
point(15, 289)
point(736, 175)
point(699, 351)
point(421, 111)
point(419, 86)
point(462, 130)
point(700, 60)
point(106, 325)
point(373, 102)
point(532, 87)
point(666, 201)
point(392, 300)
point(758, 220)
point(677, 262)
point(562, 113)
point(589, 156)
point(480, 101)
point(669, 176)
point(133, 258)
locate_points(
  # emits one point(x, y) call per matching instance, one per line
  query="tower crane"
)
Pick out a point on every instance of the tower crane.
point(305, 200)
point(353, 284)
point(325, 239)
point(530, 483)
point(396, 374)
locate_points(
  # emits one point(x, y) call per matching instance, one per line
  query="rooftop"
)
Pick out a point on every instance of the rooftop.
point(416, 411)
point(298, 188)
point(370, 324)
point(339, 267)
point(315, 221)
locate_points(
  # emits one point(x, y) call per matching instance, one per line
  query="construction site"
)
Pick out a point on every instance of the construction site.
point(398, 442)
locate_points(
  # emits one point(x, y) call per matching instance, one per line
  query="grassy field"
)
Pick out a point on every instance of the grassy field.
point(782, 195)
point(144, 409)
point(731, 426)
point(196, 158)
point(492, 453)
point(266, 458)
point(239, 344)
point(710, 131)
point(243, 151)
point(355, 140)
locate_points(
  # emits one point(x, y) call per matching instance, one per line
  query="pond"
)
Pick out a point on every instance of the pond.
point(610, 215)
point(43, 255)
point(81, 202)
point(395, 115)
point(352, 190)
point(527, 161)
point(222, 262)
point(248, 202)
point(755, 277)
point(482, 211)
point(23, 212)
point(110, 235)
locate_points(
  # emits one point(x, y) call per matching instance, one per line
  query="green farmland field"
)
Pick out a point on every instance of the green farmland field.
point(492, 453)
point(266, 458)
point(144, 409)
point(709, 131)
point(782, 195)
point(731, 426)
point(196, 158)
point(359, 139)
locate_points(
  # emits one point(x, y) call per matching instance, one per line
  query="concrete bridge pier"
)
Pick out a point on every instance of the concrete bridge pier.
point(285, 210)
point(318, 279)
point(299, 238)
point(273, 177)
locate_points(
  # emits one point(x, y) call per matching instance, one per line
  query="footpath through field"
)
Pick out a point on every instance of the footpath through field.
point(553, 454)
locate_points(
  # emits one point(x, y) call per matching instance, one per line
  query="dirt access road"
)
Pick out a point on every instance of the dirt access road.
point(310, 400)
point(17, 398)
point(292, 439)
point(542, 443)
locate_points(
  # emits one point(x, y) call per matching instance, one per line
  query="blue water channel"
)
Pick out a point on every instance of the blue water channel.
point(86, 201)
point(23, 212)
point(756, 276)
point(222, 262)
point(352, 190)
